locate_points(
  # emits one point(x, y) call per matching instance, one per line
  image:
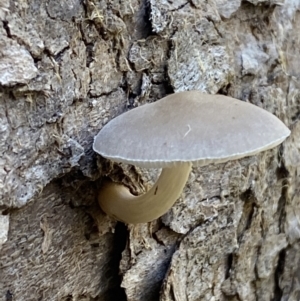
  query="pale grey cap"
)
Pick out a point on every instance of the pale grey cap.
point(189, 127)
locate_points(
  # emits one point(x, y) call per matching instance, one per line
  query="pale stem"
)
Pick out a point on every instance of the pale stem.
point(117, 201)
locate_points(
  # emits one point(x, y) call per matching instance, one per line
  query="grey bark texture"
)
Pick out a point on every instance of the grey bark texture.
point(66, 69)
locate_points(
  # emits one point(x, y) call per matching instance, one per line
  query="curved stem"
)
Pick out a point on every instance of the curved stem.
point(117, 201)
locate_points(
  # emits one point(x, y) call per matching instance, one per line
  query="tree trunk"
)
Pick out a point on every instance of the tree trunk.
point(66, 69)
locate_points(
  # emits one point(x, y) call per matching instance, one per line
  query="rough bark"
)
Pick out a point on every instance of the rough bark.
point(66, 69)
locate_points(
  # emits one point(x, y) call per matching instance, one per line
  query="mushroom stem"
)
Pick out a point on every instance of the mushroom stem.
point(117, 201)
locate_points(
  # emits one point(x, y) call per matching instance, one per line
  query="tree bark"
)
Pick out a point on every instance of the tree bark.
point(66, 69)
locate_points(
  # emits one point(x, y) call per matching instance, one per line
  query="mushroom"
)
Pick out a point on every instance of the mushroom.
point(173, 133)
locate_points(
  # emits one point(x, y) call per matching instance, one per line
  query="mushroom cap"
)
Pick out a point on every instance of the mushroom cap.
point(189, 127)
